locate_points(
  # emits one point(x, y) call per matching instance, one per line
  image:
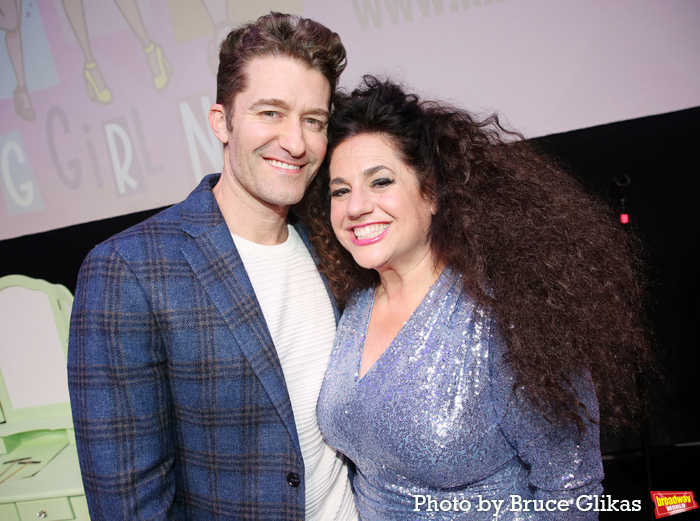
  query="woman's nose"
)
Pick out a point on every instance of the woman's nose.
point(359, 204)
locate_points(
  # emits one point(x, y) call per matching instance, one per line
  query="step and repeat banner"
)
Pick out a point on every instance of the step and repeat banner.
point(103, 103)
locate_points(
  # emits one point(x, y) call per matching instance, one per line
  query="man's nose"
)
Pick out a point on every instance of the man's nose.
point(292, 138)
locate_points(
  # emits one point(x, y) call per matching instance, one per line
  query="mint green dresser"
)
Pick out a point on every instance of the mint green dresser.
point(39, 472)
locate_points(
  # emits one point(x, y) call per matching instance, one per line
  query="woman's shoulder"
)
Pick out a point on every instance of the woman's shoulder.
point(358, 303)
point(359, 298)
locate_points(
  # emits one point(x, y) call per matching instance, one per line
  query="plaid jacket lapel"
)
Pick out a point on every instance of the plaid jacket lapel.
point(215, 261)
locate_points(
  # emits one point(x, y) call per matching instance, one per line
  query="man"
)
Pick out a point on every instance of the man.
point(199, 338)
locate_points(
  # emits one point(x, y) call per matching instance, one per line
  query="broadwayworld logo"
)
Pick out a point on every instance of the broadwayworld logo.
point(670, 503)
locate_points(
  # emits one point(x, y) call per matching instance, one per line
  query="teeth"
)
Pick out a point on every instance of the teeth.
point(369, 232)
point(280, 164)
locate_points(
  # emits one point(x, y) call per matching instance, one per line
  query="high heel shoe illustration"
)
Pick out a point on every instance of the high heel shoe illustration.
point(23, 104)
point(94, 82)
point(159, 65)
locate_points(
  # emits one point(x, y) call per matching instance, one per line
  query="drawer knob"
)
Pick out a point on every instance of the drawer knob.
point(41, 514)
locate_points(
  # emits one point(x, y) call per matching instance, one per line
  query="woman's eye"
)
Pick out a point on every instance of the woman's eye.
point(382, 182)
point(339, 192)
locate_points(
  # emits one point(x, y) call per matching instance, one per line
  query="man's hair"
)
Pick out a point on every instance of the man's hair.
point(277, 34)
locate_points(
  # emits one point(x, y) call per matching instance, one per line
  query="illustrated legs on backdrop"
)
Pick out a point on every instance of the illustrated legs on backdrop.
point(11, 23)
point(158, 64)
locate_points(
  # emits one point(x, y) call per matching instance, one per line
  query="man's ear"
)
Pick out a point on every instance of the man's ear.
point(217, 122)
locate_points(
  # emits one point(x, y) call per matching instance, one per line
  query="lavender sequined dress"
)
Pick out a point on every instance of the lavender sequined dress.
point(435, 423)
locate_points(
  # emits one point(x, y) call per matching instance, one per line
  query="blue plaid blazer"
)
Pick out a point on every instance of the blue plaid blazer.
point(179, 402)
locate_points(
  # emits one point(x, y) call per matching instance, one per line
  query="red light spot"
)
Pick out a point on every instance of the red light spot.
point(624, 218)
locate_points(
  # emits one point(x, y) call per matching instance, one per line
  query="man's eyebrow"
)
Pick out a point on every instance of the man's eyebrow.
point(319, 112)
point(270, 102)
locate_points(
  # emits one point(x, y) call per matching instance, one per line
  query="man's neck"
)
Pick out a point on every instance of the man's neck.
point(251, 219)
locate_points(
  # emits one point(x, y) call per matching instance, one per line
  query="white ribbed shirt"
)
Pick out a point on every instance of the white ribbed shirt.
point(299, 315)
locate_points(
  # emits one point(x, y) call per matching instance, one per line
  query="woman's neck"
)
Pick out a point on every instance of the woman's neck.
point(401, 288)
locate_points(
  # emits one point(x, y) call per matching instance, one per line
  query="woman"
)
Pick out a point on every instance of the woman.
point(492, 305)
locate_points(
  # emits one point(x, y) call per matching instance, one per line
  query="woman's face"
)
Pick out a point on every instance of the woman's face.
point(377, 210)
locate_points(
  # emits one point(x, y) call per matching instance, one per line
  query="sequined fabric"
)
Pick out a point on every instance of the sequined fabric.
point(435, 423)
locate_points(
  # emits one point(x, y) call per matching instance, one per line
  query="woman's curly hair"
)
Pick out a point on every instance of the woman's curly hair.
point(560, 273)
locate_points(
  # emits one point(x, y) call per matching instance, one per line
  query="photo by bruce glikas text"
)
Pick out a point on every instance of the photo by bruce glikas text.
point(584, 503)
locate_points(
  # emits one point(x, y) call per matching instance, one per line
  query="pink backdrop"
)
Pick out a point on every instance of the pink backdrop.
point(548, 66)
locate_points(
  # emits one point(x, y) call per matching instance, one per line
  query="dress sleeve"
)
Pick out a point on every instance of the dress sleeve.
point(119, 394)
point(563, 463)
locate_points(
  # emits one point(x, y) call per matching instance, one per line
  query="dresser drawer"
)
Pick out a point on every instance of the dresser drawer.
point(8, 512)
point(54, 509)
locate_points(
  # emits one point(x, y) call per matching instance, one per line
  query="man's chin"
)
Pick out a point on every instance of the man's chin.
point(283, 201)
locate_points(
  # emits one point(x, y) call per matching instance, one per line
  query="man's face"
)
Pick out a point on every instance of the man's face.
point(276, 136)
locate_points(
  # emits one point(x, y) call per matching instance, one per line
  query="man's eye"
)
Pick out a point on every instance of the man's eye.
point(316, 123)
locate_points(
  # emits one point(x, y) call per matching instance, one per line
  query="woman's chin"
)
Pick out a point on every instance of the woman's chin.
point(368, 264)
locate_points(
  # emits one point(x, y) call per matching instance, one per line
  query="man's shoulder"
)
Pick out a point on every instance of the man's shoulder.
point(167, 229)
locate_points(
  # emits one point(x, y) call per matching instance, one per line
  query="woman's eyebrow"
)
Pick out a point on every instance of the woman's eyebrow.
point(367, 172)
